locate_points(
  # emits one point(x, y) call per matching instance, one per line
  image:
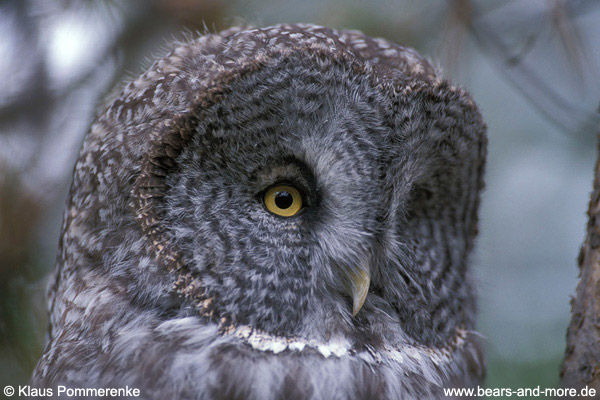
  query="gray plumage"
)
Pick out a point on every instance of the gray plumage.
point(172, 277)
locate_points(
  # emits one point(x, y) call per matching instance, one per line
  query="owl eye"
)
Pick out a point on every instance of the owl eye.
point(283, 200)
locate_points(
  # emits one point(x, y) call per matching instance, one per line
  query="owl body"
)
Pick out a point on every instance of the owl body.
point(176, 277)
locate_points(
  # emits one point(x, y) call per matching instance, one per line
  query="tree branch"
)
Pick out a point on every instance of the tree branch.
point(581, 366)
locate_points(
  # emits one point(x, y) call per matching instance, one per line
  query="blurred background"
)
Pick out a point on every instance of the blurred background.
point(533, 66)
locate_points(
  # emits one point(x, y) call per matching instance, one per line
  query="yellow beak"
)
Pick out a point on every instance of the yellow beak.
point(359, 282)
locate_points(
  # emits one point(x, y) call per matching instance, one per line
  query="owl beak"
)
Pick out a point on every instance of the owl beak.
point(360, 281)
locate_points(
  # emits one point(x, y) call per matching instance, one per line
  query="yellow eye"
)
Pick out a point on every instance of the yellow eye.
point(283, 200)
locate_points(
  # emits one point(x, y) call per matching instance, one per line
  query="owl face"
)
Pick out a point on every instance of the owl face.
point(299, 203)
point(321, 134)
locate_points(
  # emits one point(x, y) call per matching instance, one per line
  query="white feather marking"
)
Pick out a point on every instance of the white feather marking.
point(339, 347)
point(296, 345)
point(413, 353)
point(324, 350)
point(278, 346)
point(395, 355)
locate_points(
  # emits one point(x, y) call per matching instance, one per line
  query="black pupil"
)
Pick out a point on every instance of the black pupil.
point(283, 199)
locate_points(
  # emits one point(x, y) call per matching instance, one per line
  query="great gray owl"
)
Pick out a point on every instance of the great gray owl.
point(281, 213)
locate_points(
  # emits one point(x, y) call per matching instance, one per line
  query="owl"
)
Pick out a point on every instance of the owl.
point(275, 213)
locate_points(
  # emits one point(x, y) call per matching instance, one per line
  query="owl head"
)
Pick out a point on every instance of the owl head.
point(297, 181)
